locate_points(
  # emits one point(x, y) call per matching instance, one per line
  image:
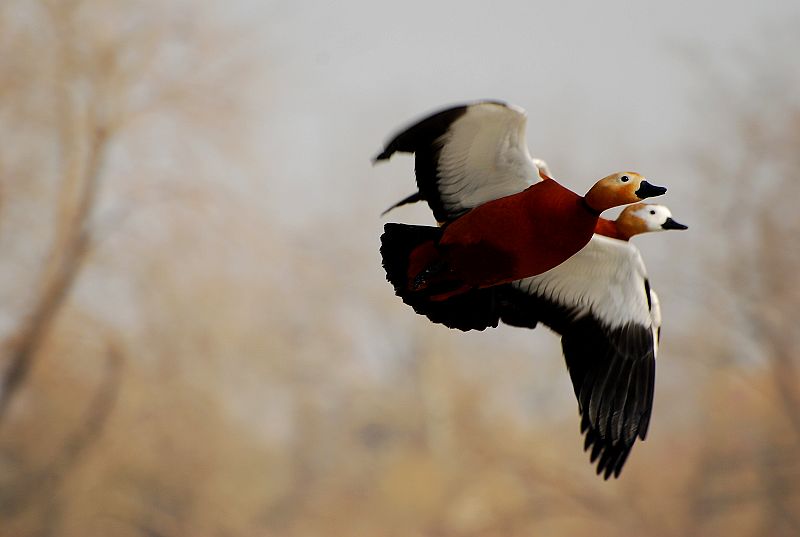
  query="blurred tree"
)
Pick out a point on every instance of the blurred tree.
point(82, 136)
point(81, 82)
point(751, 457)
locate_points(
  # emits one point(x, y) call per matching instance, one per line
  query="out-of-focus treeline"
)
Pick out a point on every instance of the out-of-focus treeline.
point(175, 364)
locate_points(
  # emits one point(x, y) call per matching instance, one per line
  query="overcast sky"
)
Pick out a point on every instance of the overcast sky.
point(608, 85)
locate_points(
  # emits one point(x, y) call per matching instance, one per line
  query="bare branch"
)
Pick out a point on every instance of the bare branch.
point(69, 455)
point(68, 257)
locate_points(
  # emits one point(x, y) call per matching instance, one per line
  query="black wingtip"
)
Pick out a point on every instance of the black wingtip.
point(386, 154)
point(413, 198)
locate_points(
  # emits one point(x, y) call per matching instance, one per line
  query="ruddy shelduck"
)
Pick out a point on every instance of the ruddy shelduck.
point(599, 299)
point(503, 222)
point(601, 303)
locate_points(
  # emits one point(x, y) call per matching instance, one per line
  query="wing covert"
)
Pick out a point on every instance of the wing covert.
point(467, 155)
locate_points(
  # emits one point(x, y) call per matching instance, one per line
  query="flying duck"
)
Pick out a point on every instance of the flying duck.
point(503, 223)
point(480, 148)
point(601, 303)
point(608, 316)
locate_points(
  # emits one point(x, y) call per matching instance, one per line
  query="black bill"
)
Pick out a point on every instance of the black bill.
point(646, 190)
point(672, 224)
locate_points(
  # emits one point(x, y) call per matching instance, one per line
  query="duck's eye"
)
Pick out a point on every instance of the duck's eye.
point(624, 178)
point(652, 212)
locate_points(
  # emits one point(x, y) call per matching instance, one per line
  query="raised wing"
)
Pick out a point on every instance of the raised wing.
point(467, 155)
point(600, 302)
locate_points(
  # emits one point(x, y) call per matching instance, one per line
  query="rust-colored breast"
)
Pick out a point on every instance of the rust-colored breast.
point(518, 236)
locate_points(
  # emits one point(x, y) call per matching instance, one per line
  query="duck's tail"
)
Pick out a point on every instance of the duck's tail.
point(422, 278)
point(410, 257)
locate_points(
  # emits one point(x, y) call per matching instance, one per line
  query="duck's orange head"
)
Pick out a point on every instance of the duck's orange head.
point(644, 218)
point(620, 188)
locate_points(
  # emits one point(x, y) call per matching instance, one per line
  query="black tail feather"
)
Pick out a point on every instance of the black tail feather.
point(476, 309)
point(397, 243)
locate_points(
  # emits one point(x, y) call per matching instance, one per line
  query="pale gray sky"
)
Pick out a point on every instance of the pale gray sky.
point(608, 85)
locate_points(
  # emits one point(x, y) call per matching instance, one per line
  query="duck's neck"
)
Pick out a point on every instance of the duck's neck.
point(611, 228)
point(589, 208)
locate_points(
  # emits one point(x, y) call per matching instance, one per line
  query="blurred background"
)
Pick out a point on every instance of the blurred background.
point(196, 335)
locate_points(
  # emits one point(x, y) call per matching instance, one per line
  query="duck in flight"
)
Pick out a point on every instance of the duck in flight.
point(475, 154)
point(601, 303)
point(502, 222)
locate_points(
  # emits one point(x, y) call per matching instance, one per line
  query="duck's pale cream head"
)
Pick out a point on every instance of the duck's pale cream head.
point(620, 188)
point(644, 218)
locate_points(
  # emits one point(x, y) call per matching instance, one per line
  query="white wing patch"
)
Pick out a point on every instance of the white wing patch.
point(484, 157)
point(655, 315)
point(604, 279)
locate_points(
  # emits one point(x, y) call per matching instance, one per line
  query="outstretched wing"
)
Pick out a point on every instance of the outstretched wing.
point(467, 155)
point(600, 302)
